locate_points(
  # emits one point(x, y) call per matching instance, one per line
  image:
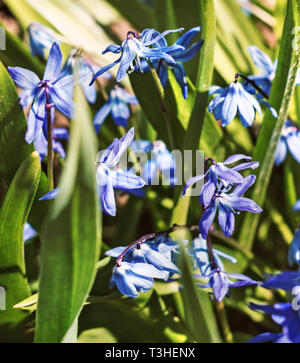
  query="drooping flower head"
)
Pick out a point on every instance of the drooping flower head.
point(240, 100)
point(213, 271)
point(289, 141)
point(232, 101)
point(220, 173)
point(52, 91)
point(162, 66)
point(228, 203)
point(132, 51)
point(117, 105)
point(138, 264)
point(109, 176)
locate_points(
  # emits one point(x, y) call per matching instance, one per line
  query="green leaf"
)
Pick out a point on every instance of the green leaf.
point(280, 98)
point(205, 73)
point(199, 314)
point(13, 215)
point(71, 239)
point(153, 102)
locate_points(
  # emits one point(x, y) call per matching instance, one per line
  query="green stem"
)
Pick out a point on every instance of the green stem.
point(50, 162)
point(223, 320)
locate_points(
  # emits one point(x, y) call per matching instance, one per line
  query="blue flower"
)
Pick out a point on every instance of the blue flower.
point(228, 205)
point(41, 39)
point(133, 51)
point(220, 282)
point(138, 264)
point(219, 172)
point(266, 66)
point(117, 105)
point(29, 232)
point(51, 91)
point(132, 278)
point(294, 251)
point(233, 100)
point(214, 271)
point(284, 315)
point(109, 176)
point(162, 66)
point(162, 161)
point(289, 141)
point(149, 252)
point(41, 143)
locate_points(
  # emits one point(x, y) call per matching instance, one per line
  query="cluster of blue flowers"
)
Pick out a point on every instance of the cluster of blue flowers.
point(138, 264)
point(156, 256)
point(222, 191)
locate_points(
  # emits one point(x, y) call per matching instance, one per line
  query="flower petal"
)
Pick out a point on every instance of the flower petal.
point(54, 63)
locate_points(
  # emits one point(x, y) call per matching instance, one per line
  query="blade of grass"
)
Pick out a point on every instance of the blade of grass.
point(280, 98)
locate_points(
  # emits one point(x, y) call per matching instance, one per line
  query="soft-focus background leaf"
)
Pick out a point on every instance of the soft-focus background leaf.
point(13, 215)
point(71, 240)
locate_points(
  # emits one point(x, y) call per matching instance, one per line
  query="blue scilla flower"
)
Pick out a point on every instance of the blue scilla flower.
point(41, 39)
point(289, 141)
point(51, 91)
point(118, 105)
point(29, 232)
point(220, 282)
point(109, 176)
point(149, 252)
point(284, 315)
point(162, 161)
point(41, 143)
point(233, 100)
point(214, 271)
point(220, 172)
point(294, 251)
point(133, 51)
point(228, 204)
point(132, 278)
point(184, 55)
point(138, 264)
